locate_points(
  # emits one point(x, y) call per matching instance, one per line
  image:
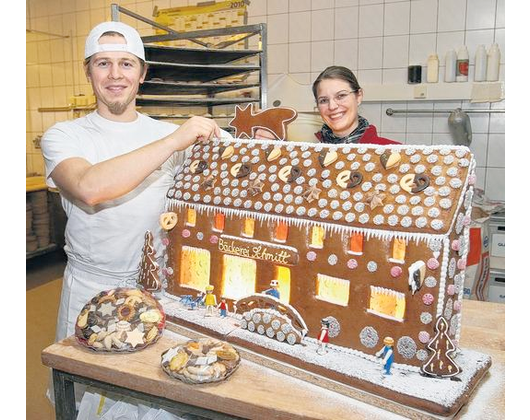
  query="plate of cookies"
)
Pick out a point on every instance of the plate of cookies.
point(204, 360)
point(120, 320)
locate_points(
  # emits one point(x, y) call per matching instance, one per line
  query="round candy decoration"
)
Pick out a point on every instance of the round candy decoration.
point(204, 360)
point(311, 256)
point(396, 271)
point(428, 299)
point(186, 233)
point(433, 263)
point(352, 264)
point(120, 320)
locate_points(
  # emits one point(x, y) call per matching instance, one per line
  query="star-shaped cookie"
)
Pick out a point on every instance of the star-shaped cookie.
point(312, 194)
point(134, 337)
point(375, 199)
point(106, 309)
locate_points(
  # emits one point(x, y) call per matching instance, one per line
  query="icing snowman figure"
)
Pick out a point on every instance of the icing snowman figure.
point(387, 353)
point(210, 301)
point(323, 338)
point(273, 291)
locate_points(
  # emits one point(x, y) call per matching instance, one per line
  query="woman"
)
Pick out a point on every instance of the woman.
point(338, 97)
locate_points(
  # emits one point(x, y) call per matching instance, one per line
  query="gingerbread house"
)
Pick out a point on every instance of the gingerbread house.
point(374, 236)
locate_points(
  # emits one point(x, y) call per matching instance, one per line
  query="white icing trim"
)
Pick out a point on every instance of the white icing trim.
point(258, 242)
point(443, 277)
point(382, 235)
point(371, 311)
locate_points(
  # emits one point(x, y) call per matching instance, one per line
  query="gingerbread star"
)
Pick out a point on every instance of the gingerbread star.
point(106, 308)
point(134, 337)
point(312, 194)
point(375, 199)
point(274, 120)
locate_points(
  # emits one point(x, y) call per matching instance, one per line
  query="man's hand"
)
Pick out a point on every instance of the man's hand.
point(193, 130)
point(262, 134)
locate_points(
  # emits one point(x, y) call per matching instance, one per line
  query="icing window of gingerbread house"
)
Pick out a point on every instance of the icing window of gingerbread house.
point(191, 217)
point(194, 268)
point(399, 248)
point(248, 227)
point(280, 232)
point(318, 234)
point(219, 222)
point(239, 277)
point(333, 290)
point(283, 275)
point(387, 303)
point(356, 244)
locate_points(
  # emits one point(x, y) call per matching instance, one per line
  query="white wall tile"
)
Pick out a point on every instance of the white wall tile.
point(423, 16)
point(347, 22)
point(278, 29)
point(322, 4)
point(440, 138)
point(372, 112)
point(399, 137)
point(395, 76)
point(479, 147)
point(300, 27)
point(497, 123)
point(322, 25)
point(495, 184)
point(421, 46)
point(474, 39)
point(303, 78)
point(299, 57)
point(396, 19)
point(371, 20)
point(394, 123)
point(321, 55)
point(299, 5)
point(480, 14)
point(369, 77)
point(44, 52)
point(496, 151)
point(396, 51)
point(418, 138)
point(277, 6)
point(447, 40)
point(370, 53)
point(346, 51)
point(499, 19)
point(451, 15)
point(278, 61)
point(479, 121)
point(346, 3)
point(499, 39)
point(259, 8)
point(480, 172)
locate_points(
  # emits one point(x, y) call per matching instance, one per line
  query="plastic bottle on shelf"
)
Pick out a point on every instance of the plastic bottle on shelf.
point(450, 66)
point(480, 63)
point(462, 64)
point(494, 63)
point(432, 68)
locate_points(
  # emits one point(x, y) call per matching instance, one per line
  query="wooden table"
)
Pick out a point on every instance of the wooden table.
point(257, 392)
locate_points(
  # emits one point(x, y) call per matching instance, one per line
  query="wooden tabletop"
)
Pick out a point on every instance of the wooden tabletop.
point(257, 392)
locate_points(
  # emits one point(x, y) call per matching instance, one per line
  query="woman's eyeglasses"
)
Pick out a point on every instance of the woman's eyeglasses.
point(339, 99)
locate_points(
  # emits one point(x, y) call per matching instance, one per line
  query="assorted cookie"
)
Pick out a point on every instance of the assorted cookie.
point(120, 320)
point(204, 360)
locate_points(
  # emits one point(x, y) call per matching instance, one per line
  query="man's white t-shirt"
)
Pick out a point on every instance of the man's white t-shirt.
point(110, 236)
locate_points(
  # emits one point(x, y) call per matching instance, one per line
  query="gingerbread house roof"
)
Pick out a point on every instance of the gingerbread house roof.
point(398, 188)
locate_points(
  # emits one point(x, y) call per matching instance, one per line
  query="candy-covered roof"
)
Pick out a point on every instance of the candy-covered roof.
point(388, 188)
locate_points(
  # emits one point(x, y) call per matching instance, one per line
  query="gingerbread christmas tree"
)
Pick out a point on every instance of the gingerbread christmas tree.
point(149, 278)
point(440, 363)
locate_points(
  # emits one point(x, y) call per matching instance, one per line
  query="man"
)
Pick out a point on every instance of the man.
point(113, 168)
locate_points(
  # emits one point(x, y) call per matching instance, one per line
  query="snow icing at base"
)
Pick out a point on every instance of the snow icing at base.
point(403, 380)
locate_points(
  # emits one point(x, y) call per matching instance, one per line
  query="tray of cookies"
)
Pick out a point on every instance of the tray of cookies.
point(200, 361)
point(120, 320)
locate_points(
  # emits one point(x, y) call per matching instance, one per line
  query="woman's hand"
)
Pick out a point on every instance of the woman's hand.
point(193, 130)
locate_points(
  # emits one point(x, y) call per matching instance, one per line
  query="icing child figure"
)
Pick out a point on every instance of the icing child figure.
point(323, 338)
point(210, 301)
point(273, 291)
point(387, 353)
point(223, 307)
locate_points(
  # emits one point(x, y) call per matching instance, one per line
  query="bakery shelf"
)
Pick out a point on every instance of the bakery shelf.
point(183, 76)
point(205, 56)
point(153, 87)
point(178, 72)
point(184, 101)
point(41, 251)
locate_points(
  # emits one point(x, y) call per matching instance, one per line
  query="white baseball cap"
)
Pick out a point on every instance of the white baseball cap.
point(133, 42)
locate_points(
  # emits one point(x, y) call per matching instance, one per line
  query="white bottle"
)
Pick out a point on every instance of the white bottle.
point(494, 63)
point(462, 64)
point(480, 63)
point(450, 66)
point(432, 68)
